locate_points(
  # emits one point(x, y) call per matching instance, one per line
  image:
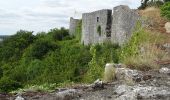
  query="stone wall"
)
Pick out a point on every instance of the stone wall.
point(96, 26)
point(123, 23)
point(101, 26)
point(73, 25)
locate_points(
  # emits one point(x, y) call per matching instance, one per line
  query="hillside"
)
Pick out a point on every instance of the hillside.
point(54, 65)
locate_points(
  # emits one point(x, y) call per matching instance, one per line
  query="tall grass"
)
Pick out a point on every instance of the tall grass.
point(142, 51)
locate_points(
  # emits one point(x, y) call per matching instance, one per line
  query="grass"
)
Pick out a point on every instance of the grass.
point(144, 50)
point(147, 52)
point(36, 88)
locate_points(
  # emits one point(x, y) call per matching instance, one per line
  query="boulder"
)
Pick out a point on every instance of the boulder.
point(166, 45)
point(167, 27)
point(128, 75)
point(165, 70)
point(19, 98)
point(98, 84)
point(68, 94)
point(109, 73)
point(136, 92)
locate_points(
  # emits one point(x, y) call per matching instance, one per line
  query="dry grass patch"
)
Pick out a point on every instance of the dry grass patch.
point(156, 22)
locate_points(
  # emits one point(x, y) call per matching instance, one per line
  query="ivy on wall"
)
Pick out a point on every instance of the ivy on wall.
point(99, 30)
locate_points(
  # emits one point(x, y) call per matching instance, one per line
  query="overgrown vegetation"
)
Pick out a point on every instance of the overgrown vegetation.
point(142, 52)
point(78, 31)
point(165, 10)
point(50, 58)
point(151, 3)
point(45, 61)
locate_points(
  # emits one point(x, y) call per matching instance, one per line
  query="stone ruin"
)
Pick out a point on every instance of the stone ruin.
point(107, 26)
point(123, 23)
point(96, 26)
point(73, 25)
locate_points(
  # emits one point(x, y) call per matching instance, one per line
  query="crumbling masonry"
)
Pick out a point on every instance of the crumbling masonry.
point(103, 25)
point(73, 25)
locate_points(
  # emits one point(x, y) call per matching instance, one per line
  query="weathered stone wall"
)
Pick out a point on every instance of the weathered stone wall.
point(123, 23)
point(116, 28)
point(91, 33)
point(73, 25)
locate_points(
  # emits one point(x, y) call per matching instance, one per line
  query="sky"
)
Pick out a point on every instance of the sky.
point(43, 15)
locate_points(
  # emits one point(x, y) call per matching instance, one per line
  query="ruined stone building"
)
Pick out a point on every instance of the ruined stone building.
point(73, 25)
point(105, 25)
point(96, 26)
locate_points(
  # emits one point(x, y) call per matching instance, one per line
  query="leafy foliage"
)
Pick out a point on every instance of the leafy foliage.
point(51, 58)
point(58, 34)
point(132, 47)
point(79, 30)
point(165, 10)
point(7, 84)
point(13, 47)
point(101, 54)
point(151, 3)
point(166, 0)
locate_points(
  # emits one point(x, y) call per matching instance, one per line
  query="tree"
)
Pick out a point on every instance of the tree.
point(14, 46)
point(146, 3)
point(166, 0)
point(165, 12)
point(58, 34)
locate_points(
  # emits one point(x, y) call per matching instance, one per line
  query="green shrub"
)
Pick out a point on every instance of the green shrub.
point(165, 10)
point(131, 48)
point(166, 0)
point(150, 3)
point(95, 71)
point(41, 47)
point(13, 47)
point(79, 30)
point(7, 85)
point(101, 54)
point(52, 58)
point(58, 34)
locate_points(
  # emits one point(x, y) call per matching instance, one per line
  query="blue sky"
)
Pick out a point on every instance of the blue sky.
point(43, 15)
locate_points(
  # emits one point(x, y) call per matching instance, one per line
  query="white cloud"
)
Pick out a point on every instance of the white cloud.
point(42, 15)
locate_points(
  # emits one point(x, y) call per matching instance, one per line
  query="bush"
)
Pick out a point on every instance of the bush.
point(41, 47)
point(58, 34)
point(78, 30)
point(165, 10)
point(150, 3)
point(101, 54)
point(7, 85)
point(13, 47)
point(95, 71)
point(51, 58)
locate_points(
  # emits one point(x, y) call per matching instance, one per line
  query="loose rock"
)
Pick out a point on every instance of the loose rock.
point(167, 27)
point(165, 70)
point(19, 98)
point(68, 94)
point(98, 84)
point(126, 92)
point(167, 45)
point(109, 73)
point(128, 75)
